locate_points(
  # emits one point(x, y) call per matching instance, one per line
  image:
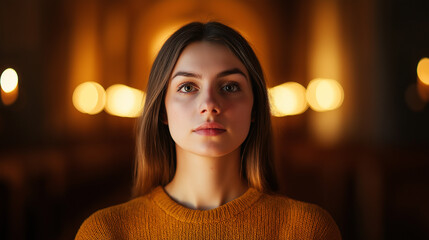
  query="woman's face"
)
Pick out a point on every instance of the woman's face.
point(209, 101)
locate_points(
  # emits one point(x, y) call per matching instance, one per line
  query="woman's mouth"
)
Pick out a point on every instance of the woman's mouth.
point(210, 129)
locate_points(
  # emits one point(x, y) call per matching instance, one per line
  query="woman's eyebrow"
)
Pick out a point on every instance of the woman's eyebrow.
point(219, 75)
point(231, 71)
point(186, 74)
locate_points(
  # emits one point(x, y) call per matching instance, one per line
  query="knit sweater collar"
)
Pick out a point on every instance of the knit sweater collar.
point(221, 213)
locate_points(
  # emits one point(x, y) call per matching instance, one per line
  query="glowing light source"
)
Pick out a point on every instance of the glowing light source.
point(9, 80)
point(124, 101)
point(9, 86)
point(324, 94)
point(89, 97)
point(287, 99)
point(423, 70)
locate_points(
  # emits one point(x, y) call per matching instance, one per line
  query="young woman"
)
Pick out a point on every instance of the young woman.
point(203, 165)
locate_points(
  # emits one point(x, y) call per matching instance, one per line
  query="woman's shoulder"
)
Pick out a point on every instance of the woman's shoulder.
point(123, 209)
point(106, 223)
point(311, 217)
point(285, 203)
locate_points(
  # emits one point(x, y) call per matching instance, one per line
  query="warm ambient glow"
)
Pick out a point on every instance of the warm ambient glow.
point(413, 99)
point(9, 80)
point(423, 70)
point(89, 97)
point(287, 99)
point(124, 101)
point(160, 38)
point(422, 91)
point(324, 94)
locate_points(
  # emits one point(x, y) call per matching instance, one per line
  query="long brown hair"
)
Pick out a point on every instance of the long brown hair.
point(155, 150)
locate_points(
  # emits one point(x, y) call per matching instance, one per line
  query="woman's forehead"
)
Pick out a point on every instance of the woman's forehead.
point(200, 57)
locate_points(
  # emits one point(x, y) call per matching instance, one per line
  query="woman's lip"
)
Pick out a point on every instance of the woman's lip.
point(210, 129)
point(210, 125)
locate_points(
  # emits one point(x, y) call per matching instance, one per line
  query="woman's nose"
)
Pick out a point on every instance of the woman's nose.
point(209, 103)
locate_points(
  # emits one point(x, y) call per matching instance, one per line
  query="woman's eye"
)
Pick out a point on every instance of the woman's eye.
point(186, 88)
point(231, 87)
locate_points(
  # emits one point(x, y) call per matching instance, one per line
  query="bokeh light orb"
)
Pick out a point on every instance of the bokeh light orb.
point(324, 94)
point(89, 97)
point(287, 99)
point(9, 80)
point(423, 70)
point(124, 101)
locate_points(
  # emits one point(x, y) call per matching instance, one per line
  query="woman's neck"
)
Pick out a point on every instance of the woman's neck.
point(204, 182)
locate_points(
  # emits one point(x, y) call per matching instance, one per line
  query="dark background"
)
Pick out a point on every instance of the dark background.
point(58, 165)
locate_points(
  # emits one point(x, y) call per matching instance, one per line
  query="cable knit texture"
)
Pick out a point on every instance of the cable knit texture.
point(254, 215)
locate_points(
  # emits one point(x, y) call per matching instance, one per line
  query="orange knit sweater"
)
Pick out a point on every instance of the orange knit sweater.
point(253, 215)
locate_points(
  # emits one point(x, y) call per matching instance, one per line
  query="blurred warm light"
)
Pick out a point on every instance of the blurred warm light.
point(89, 97)
point(327, 58)
point(423, 70)
point(9, 80)
point(326, 46)
point(9, 86)
point(124, 101)
point(413, 99)
point(287, 99)
point(160, 38)
point(10, 97)
point(324, 94)
point(422, 91)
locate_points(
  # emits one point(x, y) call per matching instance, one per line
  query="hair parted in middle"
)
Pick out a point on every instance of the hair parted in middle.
point(155, 149)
